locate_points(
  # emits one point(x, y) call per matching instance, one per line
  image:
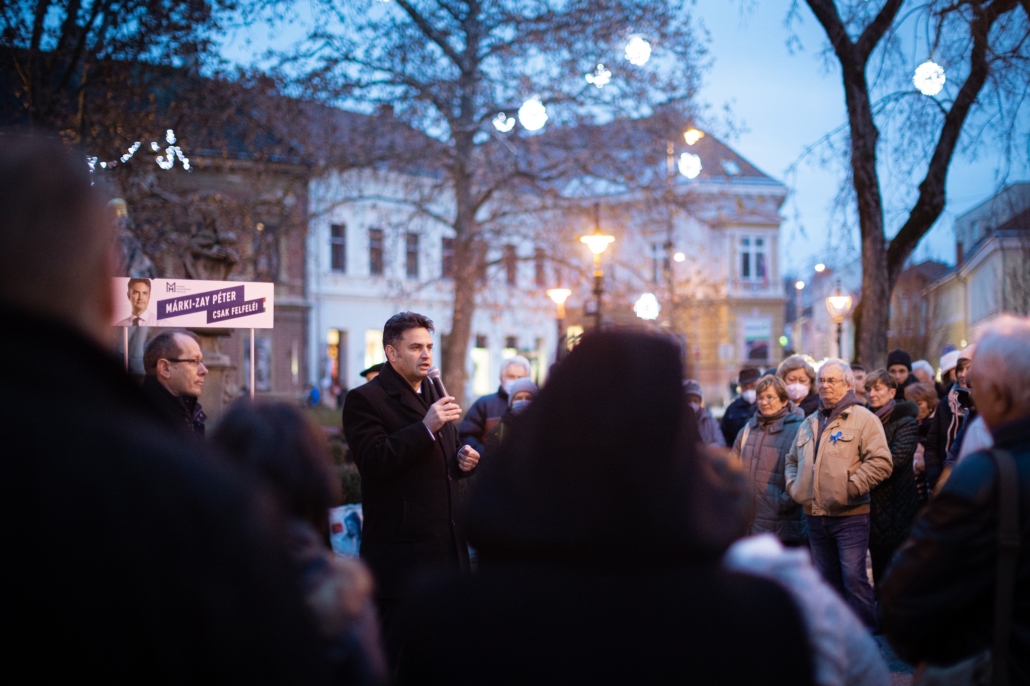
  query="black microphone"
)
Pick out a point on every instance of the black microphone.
point(434, 374)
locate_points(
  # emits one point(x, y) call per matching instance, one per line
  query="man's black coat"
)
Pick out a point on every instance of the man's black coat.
point(409, 482)
point(129, 556)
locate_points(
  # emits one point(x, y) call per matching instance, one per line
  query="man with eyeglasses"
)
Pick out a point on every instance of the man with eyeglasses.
point(840, 454)
point(175, 378)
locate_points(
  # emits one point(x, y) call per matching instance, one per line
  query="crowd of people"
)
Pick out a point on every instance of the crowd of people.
point(604, 528)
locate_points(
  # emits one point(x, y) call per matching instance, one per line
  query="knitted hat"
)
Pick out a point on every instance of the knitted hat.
point(899, 357)
point(692, 387)
point(749, 375)
point(949, 361)
point(968, 352)
point(520, 386)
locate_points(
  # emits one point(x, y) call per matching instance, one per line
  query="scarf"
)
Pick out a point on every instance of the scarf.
point(957, 413)
point(764, 421)
point(828, 414)
point(884, 413)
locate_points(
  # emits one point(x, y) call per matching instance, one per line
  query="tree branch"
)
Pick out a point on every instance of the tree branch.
point(825, 12)
point(877, 28)
point(432, 34)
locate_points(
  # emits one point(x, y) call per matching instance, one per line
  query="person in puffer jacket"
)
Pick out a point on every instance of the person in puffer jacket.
point(761, 447)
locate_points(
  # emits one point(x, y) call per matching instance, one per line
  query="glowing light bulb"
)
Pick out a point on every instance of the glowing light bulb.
point(692, 136)
point(597, 242)
point(799, 285)
point(929, 78)
point(638, 51)
point(679, 257)
point(503, 123)
point(600, 77)
point(533, 114)
point(689, 165)
point(820, 267)
point(647, 307)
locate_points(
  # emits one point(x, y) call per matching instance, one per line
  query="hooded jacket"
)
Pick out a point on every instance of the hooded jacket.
point(852, 450)
point(600, 528)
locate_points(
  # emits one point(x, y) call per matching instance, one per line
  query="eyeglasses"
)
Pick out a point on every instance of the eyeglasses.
point(195, 363)
point(831, 382)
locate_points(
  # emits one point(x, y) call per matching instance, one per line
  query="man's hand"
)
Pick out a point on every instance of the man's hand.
point(467, 458)
point(442, 411)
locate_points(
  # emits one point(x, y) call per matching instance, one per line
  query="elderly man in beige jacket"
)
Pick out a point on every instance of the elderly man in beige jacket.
point(840, 454)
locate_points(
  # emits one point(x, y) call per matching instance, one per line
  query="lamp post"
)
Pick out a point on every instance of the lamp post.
point(598, 243)
point(559, 296)
point(799, 308)
point(838, 305)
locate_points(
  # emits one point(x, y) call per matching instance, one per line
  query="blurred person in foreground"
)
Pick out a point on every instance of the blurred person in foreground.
point(600, 530)
point(175, 370)
point(711, 434)
point(287, 455)
point(798, 375)
point(762, 449)
point(743, 406)
point(487, 411)
point(839, 456)
point(937, 602)
point(895, 500)
point(926, 399)
point(404, 438)
point(128, 556)
point(952, 413)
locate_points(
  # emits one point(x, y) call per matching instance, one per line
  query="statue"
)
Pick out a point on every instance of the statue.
point(211, 255)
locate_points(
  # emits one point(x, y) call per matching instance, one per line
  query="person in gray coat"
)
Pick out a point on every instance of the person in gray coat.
point(711, 434)
point(761, 447)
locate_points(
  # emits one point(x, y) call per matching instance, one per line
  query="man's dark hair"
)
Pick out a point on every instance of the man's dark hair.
point(163, 346)
point(857, 367)
point(396, 325)
point(135, 280)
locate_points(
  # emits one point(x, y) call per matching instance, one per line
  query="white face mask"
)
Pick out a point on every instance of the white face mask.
point(749, 396)
point(797, 391)
point(695, 406)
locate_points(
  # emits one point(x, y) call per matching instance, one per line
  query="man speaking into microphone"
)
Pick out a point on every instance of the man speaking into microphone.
point(401, 433)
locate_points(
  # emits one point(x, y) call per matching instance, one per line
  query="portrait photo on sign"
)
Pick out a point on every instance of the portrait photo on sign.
point(132, 305)
point(193, 303)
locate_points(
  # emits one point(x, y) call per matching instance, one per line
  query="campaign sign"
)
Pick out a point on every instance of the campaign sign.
point(189, 303)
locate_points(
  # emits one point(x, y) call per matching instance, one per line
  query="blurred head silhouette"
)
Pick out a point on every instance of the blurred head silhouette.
point(57, 252)
point(606, 469)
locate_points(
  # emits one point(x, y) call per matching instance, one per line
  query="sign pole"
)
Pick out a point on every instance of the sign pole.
point(253, 363)
point(125, 345)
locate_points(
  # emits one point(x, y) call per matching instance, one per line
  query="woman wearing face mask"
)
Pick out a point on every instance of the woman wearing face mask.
point(762, 447)
point(895, 500)
point(798, 375)
point(521, 393)
point(709, 429)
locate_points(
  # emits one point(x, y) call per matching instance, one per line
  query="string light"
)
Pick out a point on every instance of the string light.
point(600, 77)
point(166, 161)
point(533, 114)
point(638, 51)
point(929, 78)
point(503, 123)
point(689, 165)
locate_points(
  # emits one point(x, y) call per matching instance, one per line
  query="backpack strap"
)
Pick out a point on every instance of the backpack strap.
point(1008, 550)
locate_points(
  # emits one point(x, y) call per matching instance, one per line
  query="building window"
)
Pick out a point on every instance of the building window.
point(447, 258)
point(338, 248)
point(511, 342)
point(411, 255)
point(540, 272)
point(510, 265)
point(375, 252)
point(753, 266)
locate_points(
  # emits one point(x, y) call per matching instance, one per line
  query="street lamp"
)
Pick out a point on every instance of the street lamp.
point(559, 296)
point(838, 305)
point(598, 243)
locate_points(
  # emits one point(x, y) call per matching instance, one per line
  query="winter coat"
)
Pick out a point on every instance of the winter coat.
point(483, 416)
point(763, 460)
point(937, 443)
point(127, 547)
point(709, 429)
point(859, 458)
point(937, 602)
point(735, 417)
point(844, 653)
point(185, 412)
point(409, 482)
point(895, 500)
point(597, 566)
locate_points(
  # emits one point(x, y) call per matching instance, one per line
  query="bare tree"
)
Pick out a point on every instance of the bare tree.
point(458, 71)
point(985, 45)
